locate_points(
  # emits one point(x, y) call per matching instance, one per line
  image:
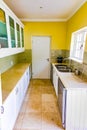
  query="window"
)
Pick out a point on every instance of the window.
point(78, 41)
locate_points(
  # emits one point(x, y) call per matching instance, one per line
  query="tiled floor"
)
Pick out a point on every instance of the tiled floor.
point(40, 108)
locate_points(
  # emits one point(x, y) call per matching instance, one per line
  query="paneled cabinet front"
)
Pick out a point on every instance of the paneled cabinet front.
point(18, 97)
point(11, 32)
point(13, 102)
point(9, 112)
point(55, 81)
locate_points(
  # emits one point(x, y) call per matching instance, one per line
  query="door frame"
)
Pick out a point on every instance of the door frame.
point(49, 50)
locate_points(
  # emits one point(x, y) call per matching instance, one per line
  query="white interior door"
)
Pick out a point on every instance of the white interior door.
point(41, 57)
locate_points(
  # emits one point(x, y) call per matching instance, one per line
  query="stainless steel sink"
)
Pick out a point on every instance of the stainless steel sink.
point(63, 68)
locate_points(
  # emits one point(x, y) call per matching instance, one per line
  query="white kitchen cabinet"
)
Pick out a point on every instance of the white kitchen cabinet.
point(55, 81)
point(20, 90)
point(0, 101)
point(11, 34)
point(12, 104)
point(18, 97)
point(76, 109)
point(26, 80)
point(9, 112)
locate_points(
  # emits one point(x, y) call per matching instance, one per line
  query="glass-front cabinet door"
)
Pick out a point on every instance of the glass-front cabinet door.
point(3, 30)
point(12, 32)
point(22, 36)
point(18, 35)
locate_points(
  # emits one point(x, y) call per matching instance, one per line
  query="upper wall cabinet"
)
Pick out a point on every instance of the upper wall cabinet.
point(11, 32)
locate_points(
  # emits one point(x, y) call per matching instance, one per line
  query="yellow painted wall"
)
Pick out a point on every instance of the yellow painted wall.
point(76, 22)
point(57, 31)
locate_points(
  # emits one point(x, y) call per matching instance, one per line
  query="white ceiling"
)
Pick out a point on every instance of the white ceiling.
point(41, 10)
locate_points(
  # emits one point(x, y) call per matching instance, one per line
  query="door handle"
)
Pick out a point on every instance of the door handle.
point(2, 109)
point(16, 92)
point(47, 59)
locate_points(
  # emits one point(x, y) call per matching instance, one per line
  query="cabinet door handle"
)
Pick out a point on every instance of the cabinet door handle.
point(27, 73)
point(47, 59)
point(2, 110)
point(16, 91)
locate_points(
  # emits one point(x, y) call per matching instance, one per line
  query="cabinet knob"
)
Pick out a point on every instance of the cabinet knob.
point(2, 109)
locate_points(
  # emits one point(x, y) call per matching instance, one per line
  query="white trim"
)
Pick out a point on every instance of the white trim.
point(75, 10)
point(72, 48)
point(77, 60)
point(81, 29)
point(10, 51)
point(42, 20)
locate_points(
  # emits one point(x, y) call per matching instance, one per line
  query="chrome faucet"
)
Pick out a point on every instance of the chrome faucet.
point(67, 58)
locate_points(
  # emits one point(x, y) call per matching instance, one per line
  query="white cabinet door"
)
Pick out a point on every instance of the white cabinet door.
point(8, 116)
point(18, 97)
point(26, 80)
point(55, 80)
point(56, 84)
point(53, 77)
point(76, 109)
point(0, 101)
point(24, 83)
point(27, 76)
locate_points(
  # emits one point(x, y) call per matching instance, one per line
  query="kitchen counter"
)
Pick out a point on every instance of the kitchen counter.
point(10, 78)
point(73, 102)
point(70, 80)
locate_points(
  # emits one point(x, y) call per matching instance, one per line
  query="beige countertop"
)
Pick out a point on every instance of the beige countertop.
point(70, 80)
point(10, 78)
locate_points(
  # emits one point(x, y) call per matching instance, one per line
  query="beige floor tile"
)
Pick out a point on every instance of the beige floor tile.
point(46, 126)
point(35, 90)
point(34, 107)
point(48, 98)
point(35, 97)
point(32, 121)
point(48, 90)
point(37, 82)
point(51, 118)
point(49, 107)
